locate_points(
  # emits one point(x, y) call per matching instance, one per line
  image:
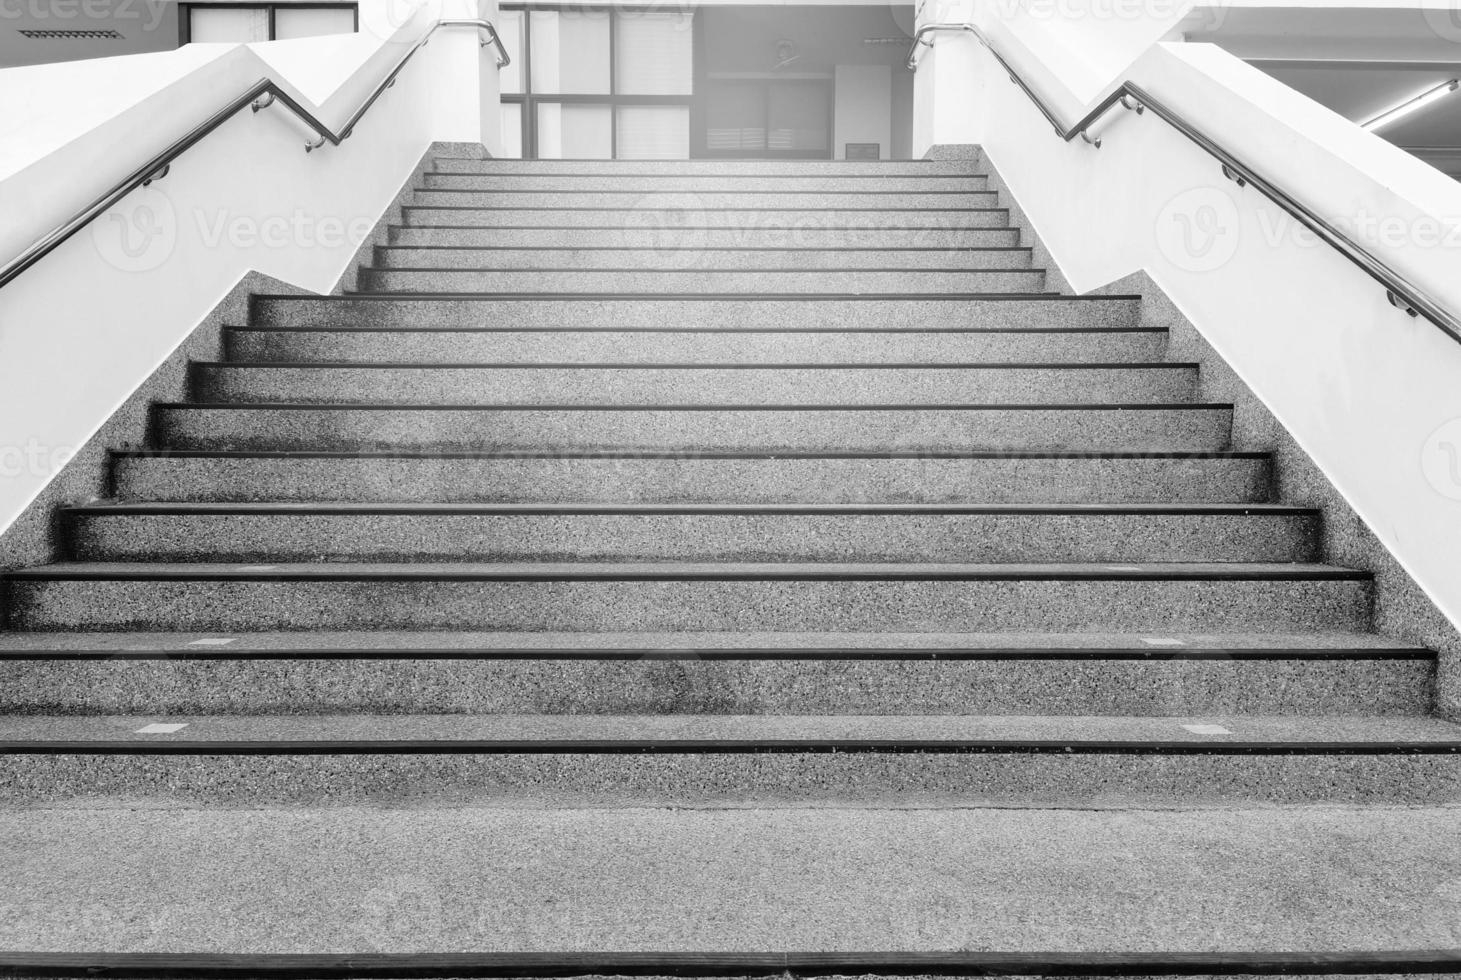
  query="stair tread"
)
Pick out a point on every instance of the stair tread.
point(708, 571)
point(1014, 889)
point(608, 731)
point(712, 644)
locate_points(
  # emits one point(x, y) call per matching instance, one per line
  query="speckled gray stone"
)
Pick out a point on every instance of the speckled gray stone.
point(676, 225)
point(699, 645)
point(480, 597)
point(299, 344)
point(570, 187)
point(700, 258)
point(1089, 684)
point(738, 779)
point(911, 313)
point(690, 204)
point(361, 880)
point(461, 384)
point(1184, 428)
point(885, 240)
point(700, 281)
point(796, 168)
point(706, 479)
point(289, 533)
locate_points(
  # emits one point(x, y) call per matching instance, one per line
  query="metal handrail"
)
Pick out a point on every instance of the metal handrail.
point(260, 95)
point(1399, 290)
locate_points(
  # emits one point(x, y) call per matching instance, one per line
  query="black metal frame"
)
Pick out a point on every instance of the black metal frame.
point(185, 11)
point(529, 100)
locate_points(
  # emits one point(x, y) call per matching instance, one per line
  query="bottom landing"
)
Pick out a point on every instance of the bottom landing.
point(455, 891)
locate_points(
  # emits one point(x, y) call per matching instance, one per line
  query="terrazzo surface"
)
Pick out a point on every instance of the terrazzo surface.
point(371, 880)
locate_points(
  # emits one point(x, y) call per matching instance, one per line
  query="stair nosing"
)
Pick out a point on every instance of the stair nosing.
point(711, 365)
point(680, 193)
point(501, 966)
point(679, 455)
point(1399, 652)
point(718, 746)
point(267, 508)
point(697, 249)
point(529, 407)
point(774, 331)
point(685, 572)
point(700, 297)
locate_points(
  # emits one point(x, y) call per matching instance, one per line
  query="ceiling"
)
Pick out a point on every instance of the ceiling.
point(1358, 60)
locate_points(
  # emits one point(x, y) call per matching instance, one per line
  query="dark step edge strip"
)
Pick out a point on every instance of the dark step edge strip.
point(500, 966)
point(822, 230)
point(681, 270)
point(691, 249)
point(406, 295)
point(680, 455)
point(312, 509)
point(580, 746)
point(347, 573)
point(730, 331)
point(630, 209)
point(575, 655)
point(707, 365)
point(702, 297)
point(723, 192)
point(528, 407)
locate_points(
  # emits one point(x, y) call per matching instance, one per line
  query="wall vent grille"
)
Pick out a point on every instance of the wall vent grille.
point(71, 35)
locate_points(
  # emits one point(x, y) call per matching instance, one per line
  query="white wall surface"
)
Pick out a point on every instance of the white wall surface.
point(83, 328)
point(1371, 394)
point(863, 113)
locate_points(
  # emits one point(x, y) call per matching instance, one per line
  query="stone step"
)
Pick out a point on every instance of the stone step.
point(678, 226)
point(403, 891)
point(421, 345)
point(846, 169)
point(1185, 427)
point(737, 384)
point(1002, 477)
point(668, 237)
point(573, 187)
point(688, 207)
point(656, 258)
point(788, 281)
point(1224, 597)
point(712, 673)
point(765, 760)
point(284, 532)
point(1026, 311)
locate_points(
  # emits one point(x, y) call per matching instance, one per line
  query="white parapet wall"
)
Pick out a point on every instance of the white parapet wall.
point(1371, 394)
point(81, 329)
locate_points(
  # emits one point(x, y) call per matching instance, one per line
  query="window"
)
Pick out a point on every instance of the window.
point(235, 23)
point(598, 83)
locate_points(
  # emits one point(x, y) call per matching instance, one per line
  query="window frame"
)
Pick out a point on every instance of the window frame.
point(530, 100)
point(185, 13)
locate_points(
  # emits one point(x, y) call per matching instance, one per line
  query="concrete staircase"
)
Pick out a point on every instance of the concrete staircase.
point(756, 540)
